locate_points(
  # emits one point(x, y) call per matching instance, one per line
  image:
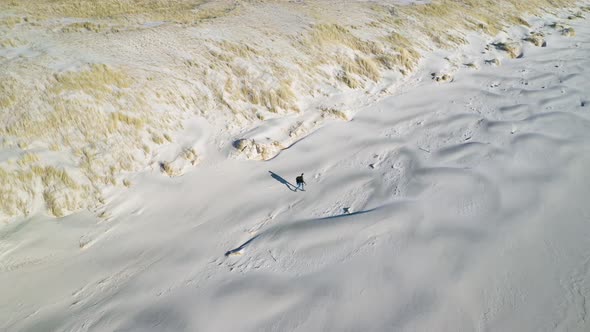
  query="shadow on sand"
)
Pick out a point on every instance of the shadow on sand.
point(279, 178)
point(298, 226)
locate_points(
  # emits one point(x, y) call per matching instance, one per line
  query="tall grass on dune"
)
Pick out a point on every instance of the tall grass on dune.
point(108, 116)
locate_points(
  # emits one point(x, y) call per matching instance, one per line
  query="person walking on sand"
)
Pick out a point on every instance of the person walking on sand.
point(300, 183)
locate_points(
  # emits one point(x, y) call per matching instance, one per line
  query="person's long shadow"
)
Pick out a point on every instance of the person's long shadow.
point(283, 181)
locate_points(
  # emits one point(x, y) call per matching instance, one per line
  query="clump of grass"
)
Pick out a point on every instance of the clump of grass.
point(28, 159)
point(168, 169)
point(576, 15)
point(354, 69)
point(11, 21)
point(54, 147)
point(54, 176)
point(512, 48)
point(60, 201)
point(10, 42)
point(495, 62)
point(537, 39)
point(276, 99)
point(9, 92)
point(18, 189)
point(364, 67)
point(439, 18)
point(407, 56)
point(442, 78)
point(270, 90)
point(257, 150)
point(330, 111)
point(517, 20)
point(96, 81)
point(568, 32)
point(241, 50)
point(16, 192)
point(91, 113)
point(84, 27)
point(349, 80)
point(180, 11)
point(323, 35)
point(190, 155)
point(118, 118)
point(272, 97)
point(158, 139)
point(563, 29)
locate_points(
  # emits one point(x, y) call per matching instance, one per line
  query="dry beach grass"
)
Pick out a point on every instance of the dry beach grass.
point(109, 110)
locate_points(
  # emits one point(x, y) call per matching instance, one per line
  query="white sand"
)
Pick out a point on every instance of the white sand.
point(468, 210)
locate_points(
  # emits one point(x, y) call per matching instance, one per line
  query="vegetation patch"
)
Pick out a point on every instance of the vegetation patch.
point(85, 27)
point(180, 11)
point(513, 49)
point(107, 119)
point(537, 39)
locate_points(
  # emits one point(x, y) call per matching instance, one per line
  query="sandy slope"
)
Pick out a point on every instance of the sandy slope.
point(468, 211)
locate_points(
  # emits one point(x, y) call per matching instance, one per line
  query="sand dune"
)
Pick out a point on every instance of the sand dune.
point(445, 207)
point(111, 84)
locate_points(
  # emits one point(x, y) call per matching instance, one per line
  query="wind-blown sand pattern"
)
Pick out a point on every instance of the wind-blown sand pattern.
point(447, 182)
